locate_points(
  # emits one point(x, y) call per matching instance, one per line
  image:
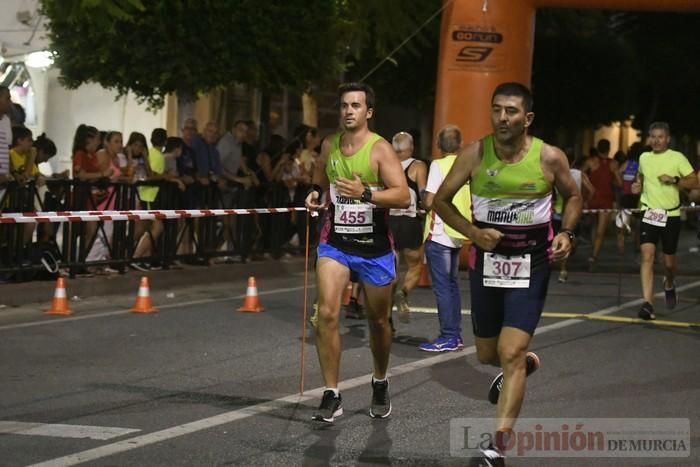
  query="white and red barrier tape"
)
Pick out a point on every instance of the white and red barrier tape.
point(89, 216)
point(94, 216)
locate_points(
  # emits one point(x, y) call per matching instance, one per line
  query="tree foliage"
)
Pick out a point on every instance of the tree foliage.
point(405, 76)
point(590, 67)
point(192, 46)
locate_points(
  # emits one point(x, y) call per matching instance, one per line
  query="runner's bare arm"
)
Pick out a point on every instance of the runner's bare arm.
point(688, 182)
point(466, 163)
point(395, 193)
point(420, 175)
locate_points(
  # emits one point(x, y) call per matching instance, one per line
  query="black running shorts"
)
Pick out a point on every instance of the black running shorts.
point(668, 235)
point(494, 308)
point(407, 231)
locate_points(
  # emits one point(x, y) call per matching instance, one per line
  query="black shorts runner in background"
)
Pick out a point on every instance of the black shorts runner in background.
point(668, 235)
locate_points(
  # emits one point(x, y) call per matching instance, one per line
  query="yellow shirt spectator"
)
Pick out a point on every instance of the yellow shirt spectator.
point(18, 161)
point(157, 163)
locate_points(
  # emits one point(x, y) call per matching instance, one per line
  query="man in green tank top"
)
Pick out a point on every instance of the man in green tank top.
point(662, 172)
point(511, 176)
point(362, 177)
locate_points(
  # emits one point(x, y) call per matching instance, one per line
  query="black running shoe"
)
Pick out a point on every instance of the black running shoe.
point(532, 363)
point(381, 404)
point(646, 312)
point(330, 408)
point(492, 457)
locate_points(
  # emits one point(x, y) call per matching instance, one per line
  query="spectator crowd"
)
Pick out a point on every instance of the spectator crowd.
point(205, 167)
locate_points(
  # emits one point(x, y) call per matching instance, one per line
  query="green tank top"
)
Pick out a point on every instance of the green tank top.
point(350, 225)
point(515, 199)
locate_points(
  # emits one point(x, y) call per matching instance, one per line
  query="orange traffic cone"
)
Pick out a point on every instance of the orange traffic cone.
point(347, 293)
point(143, 299)
point(251, 303)
point(424, 280)
point(59, 306)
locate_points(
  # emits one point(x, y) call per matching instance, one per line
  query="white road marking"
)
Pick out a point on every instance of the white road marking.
point(433, 311)
point(160, 307)
point(264, 407)
point(59, 430)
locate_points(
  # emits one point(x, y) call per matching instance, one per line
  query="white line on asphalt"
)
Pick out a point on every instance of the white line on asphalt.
point(265, 407)
point(433, 311)
point(160, 307)
point(59, 430)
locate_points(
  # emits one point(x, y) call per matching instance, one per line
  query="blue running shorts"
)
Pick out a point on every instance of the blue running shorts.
point(379, 271)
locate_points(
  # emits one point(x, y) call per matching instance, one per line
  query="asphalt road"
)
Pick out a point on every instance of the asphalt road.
point(202, 384)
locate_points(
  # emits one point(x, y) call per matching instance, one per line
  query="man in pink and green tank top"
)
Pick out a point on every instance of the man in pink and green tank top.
point(363, 178)
point(511, 176)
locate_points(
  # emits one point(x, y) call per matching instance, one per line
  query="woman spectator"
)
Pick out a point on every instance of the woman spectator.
point(109, 159)
point(85, 163)
point(88, 168)
point(137, 154)
point(112, 152)
point(310, 141)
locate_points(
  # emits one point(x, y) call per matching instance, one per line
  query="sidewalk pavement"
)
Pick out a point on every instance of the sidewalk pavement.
point(18, 294)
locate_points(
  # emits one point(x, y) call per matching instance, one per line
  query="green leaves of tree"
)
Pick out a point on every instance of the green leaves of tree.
point(189, 46)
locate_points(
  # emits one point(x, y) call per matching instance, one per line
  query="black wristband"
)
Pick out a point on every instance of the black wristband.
point(570, 233)
point(317, 189)
point(366, 196)
point(676, 179)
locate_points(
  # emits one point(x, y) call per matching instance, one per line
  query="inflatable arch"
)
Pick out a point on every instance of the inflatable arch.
point(486, 42)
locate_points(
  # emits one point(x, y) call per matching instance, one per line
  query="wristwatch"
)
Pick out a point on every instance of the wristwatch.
point(366, 196)
point(676, 179)
point(570, 233)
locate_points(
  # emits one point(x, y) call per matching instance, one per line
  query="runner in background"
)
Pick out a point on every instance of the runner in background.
point(406, 224)
point(662, 173)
